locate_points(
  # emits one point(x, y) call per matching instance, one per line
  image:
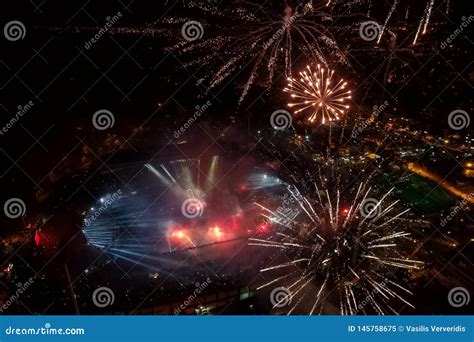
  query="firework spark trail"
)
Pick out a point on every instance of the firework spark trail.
point(428, 15)
point(316, 94)
point(424, 21)
point(392, 9)
point(417, 32)
point(352, 255)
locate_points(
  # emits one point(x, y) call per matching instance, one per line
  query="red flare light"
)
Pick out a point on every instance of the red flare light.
point(37, 238)
point(217, 232)
point(178, 234)
point(262, 227)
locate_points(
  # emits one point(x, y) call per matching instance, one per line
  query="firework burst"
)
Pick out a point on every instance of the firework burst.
point(318, 95)
point(340, 250)
point(262, 38)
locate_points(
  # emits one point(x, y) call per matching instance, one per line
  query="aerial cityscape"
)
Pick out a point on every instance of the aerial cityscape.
point(206, 157)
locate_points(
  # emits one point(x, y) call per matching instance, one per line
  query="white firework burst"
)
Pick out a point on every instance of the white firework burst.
point(341, 250)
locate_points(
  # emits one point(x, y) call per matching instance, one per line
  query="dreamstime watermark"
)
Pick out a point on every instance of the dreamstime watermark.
point(377, 111)
point(14, 30)
point(369, 298)
point(103, 119)
point(200, 287)
point(287, 211)
point(103, 296)
point(46, 330)
point(280, 297)
point(192, 208)
point(19, 291)
point(460, 206)
point(22, 110)
point(105, 203)
point(459, 119)
point(466, 21)
point(192, 30)
point(459, 296)
point(199, 110)
point(370, 208)
point(281, 119)
point(14, 208)
point(369, 30)
point(110, 21)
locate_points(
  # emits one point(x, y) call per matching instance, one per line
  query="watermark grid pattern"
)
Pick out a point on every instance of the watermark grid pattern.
point(20, 32)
